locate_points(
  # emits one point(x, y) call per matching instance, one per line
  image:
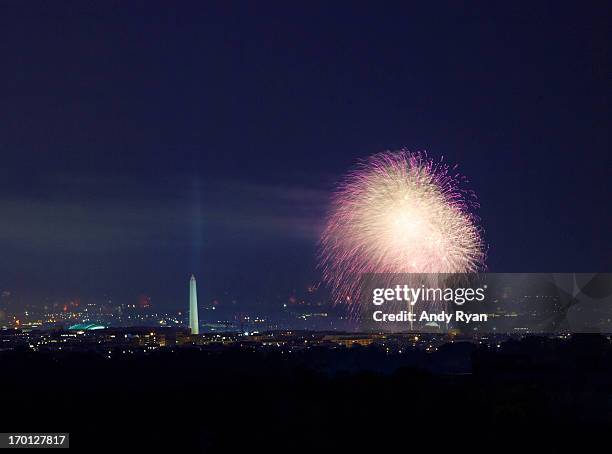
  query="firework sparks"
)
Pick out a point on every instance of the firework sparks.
point(399, 212)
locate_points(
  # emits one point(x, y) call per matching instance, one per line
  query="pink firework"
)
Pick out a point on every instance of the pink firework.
point(399, 212)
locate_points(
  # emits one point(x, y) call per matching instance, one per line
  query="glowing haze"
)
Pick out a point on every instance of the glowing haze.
point(399, 212)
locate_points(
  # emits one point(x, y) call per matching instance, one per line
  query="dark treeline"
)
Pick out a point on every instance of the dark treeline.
point(339, 398)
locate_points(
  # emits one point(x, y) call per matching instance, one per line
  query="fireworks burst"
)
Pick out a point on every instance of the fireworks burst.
point(399, 212)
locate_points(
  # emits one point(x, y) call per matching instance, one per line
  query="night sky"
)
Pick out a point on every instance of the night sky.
point(143, 141)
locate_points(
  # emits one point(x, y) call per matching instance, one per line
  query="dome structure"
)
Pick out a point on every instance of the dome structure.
point(86, 327)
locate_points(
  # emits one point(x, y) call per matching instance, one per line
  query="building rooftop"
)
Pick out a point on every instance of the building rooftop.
point(85, 327)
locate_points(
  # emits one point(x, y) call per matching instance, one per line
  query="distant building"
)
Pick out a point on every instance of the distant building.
point(86, 327)
point(349, 340)
point(193, 306)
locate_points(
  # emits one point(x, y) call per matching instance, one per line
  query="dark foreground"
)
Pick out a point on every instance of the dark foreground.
point(338, 398)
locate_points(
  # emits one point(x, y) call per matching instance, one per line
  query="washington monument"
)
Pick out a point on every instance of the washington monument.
point(193, 306)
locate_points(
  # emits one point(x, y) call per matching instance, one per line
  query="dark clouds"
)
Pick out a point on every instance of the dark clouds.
point(92, 215)
point(95, 228)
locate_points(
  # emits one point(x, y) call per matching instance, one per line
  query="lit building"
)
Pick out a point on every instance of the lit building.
point(193, 306)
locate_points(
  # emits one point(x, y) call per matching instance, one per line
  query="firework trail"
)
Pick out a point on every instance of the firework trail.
point(398, 212)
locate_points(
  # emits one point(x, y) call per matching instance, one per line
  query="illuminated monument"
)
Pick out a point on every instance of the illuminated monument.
point(193, 306)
